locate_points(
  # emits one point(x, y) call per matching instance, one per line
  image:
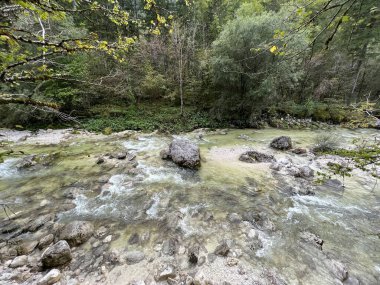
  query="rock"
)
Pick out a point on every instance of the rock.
point(40, 221)
point(131, 157)
point(255, 156)
point(185, 153)
point(121, 155)
point(234, 218)
point(45, 241)
point(334, 184)
point(193, 259)
point(164, 154)
point(222, 249)
point(56, 255)
point(232, 261)
point(134, 238)
point(77, 232)
point(377, 124)
point(281, 143)
point(338, 269)
point(211, 257)
point(168, 271)
point(100, 160)
point(304, 172)
point(26, 247)
point(299, 151)
point(71, 192)
point(103, 179)
point(53, 276)
point(169, 247)
point(312, 239)
point(19, 261)
point(107, 239)
point(133, 257)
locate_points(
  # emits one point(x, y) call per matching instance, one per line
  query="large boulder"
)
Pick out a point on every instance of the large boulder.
point(252, 156)
point(56, 255)
point(77, 232)
point(281, 143)
point(184, 153)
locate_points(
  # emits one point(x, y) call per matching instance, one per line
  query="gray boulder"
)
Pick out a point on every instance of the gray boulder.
point(304, 172)
point(56, 255)
point(184, 153)
point(281, 143)
point(312, 239)
point(252, 156)
point(77, 232)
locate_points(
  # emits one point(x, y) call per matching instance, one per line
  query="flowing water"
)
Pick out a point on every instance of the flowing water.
point(158, 199)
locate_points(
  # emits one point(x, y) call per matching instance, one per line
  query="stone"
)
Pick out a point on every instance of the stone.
point(26, 247)
point(312, 239)
point(234, 218)
point(77, 232)
point(252, 156)
point(299, 151)
point(164, 154)
point(193, 259)
point(185, 153)
point(304, 172)
point(56, 255)
point(338, 269)
point(100, 160)
point(45, 241)
point(168, 271)
point(281, 143)
point(107, 239)
point(40, 222)
point(19, 261)
point(169, 247)
point(134, 239)
point(222, 249)
point(133, 257)
point(53, 276)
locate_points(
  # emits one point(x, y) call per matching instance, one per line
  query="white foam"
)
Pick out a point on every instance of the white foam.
point(8, 168)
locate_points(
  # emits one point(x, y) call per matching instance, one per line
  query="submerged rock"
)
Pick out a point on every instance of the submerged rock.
point(133, 257)
point(255, 156)
point(281, 143)
point(166, 272)
point(312, 239)
point(56, 255)
point(77, 232)
point(299, 151)
point(184, 153)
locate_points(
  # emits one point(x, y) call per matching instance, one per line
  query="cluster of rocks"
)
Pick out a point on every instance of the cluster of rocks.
point(121, 155)
point(35, 161)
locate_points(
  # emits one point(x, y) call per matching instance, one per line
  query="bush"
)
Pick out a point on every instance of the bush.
point(326, 142)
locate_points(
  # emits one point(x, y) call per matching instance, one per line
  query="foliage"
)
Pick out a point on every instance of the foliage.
point(326, 142)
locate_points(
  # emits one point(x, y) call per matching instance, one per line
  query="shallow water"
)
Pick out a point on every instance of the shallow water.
point(142, 201)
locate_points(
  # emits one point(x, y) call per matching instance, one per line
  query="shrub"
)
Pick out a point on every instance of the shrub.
point(326, 142)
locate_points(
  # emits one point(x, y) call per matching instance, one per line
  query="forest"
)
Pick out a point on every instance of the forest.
point(112, 65)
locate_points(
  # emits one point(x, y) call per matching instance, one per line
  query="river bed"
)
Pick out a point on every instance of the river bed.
point(153, 207)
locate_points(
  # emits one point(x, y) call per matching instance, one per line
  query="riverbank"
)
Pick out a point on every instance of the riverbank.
point(129, 217)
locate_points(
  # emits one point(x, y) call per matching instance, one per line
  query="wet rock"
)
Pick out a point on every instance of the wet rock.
point(45, 241)
point(234, 218)
point(100, 160)
point(281, 143)
point(169, 247)
point(312, 239)
point(211, 257)
point(53, 276)
point(193, 259)
point(71, 192)
point(77, 232)
point(185, 153)
point(333, 184)
point(299, 151)
point(255, 156)
point(133, 257)
point(103, 179)
point(222, 249)
point(164, 154)
point(40, 221)
point(232, 261)
point(338, 269)
point(131, 157)
point(107, 239)
point(56, 255)
point(134, 238)
point(102, 231)
point(19, 261)
point(304, 172)
point(166, 272)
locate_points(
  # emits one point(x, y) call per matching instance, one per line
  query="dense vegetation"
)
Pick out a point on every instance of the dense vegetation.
point(177, 65)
